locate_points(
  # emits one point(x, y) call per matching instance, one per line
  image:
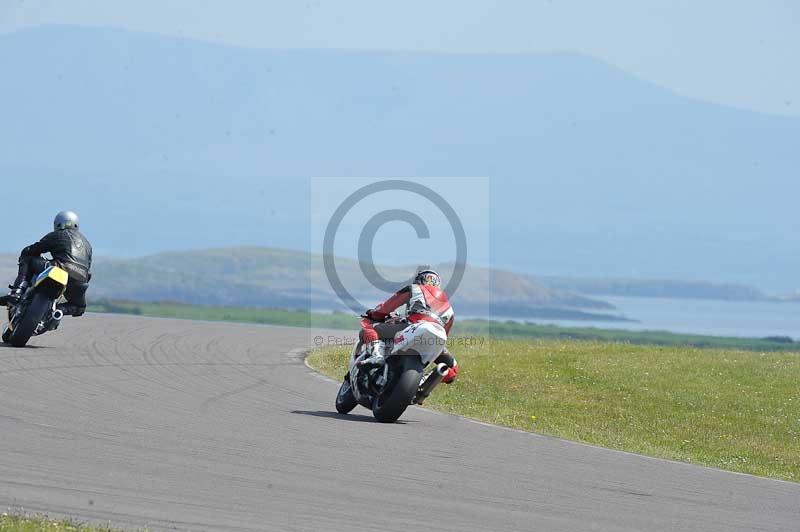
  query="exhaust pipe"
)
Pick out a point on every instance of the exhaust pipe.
point(51, 324)
point(430, 382)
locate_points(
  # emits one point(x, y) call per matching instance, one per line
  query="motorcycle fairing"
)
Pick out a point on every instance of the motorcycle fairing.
point(424, 337)
point(53, 281)
point(55, 273)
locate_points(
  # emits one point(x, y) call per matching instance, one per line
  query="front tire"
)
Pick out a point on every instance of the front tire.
point(345, 400)
point(389, 408)
point(30, 319)
point(6, 335)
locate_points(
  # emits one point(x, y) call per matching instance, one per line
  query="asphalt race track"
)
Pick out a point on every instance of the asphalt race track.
point(171, 424)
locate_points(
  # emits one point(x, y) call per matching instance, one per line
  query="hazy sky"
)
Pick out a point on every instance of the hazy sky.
point(735, 52)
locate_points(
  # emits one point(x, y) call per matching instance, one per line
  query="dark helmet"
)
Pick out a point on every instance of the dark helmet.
point(427, 276)
point(65, 220)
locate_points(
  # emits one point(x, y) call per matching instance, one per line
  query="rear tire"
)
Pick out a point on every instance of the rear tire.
point(33, 315)
point(6, 335)
point(389, 409)
point(345, 400)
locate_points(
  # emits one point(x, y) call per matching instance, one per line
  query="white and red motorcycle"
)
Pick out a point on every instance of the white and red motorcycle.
point(389, 389)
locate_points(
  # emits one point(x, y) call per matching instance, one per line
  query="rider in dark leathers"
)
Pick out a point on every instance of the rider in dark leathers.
point(71, 252)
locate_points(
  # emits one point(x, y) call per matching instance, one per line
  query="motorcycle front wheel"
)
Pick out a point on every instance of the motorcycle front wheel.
point(345, 400)
point(33, 314)
point(401, 389)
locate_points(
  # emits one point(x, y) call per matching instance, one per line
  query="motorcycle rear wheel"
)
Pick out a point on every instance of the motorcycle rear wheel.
point(388, 407)
point(30, 319)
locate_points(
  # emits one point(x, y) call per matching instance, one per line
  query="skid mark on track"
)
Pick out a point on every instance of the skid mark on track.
point(231, 393)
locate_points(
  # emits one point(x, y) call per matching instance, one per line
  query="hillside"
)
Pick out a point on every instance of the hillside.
point(593, 172)
point(276, 278)
point(658, 288)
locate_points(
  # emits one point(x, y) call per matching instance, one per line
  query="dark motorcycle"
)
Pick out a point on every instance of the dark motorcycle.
point(36, 312)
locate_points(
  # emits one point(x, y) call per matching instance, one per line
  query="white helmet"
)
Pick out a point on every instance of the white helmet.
point(65, 220)
point(427, 275)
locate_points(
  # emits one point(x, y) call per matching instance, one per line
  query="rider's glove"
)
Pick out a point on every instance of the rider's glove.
point(375, 315)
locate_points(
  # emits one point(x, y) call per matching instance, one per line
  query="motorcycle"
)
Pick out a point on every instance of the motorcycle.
point(389, 389)
point(36, 312)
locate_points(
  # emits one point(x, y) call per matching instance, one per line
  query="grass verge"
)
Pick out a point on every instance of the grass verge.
point(733, 410)
point(21, 523)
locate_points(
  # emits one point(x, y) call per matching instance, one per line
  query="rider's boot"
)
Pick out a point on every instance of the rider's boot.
point(376, 358)
point(71, 310)
point(14, 294)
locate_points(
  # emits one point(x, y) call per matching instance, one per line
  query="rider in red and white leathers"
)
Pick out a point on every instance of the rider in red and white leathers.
point(425, 301)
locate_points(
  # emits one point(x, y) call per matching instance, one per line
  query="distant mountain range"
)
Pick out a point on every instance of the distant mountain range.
point(163, 143)
point(276, 278)
point(665, 288)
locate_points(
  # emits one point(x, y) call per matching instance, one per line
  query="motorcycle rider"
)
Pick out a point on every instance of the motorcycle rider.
point(425, 301)
point(71, 252)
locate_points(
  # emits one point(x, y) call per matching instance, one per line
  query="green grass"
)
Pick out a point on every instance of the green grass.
point(291, 318)
point(509, 329)
point(21, 523)
point(733, 410)
point(494, 329)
